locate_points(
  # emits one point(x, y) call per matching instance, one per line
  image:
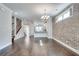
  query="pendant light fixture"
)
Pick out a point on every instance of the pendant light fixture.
point(45, 17)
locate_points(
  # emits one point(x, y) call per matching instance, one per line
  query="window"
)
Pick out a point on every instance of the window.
point(59, 19)
point(64, 15)
point(38, 28)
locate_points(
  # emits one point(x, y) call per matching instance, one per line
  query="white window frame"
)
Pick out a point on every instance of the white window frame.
point(62, 14)
point(68, 11)
point(59, 19)
point(38, 28)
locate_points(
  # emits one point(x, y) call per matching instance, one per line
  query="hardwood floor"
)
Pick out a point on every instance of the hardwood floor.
point(34, 47)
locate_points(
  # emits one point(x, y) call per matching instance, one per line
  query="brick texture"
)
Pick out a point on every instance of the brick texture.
point(67, 30)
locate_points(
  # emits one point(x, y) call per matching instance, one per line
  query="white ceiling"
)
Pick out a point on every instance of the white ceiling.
point(33, 11)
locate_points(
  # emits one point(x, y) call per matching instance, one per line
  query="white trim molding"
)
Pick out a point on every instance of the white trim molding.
point(6, 45)
point(67, 46)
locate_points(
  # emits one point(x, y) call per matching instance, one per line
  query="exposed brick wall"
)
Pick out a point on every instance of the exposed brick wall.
point(67, 30)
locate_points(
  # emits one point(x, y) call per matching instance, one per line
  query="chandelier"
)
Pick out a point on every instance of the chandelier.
point(45, 17)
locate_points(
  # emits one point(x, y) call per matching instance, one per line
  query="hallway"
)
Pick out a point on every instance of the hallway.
point(39, 29)
point(34, 47)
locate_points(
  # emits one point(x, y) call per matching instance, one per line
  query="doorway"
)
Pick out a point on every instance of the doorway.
point(26, 30)
point(27, 35)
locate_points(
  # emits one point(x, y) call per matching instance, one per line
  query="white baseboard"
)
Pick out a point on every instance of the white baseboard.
point(5, 46)
point(67, 46)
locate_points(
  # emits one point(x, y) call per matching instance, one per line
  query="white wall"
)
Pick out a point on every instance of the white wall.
point(31, 29)
point(5, 26)
point(49, 28)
